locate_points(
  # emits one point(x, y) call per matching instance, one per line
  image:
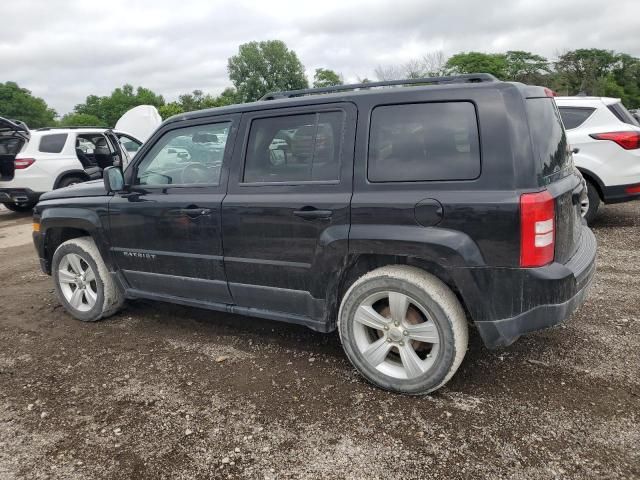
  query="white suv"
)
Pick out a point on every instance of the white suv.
point(34, 162)
point(37, 161)
point(606, 142)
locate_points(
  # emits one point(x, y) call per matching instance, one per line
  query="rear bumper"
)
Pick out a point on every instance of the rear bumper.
point(18, 195)
point(538, 298)
point(619, 193)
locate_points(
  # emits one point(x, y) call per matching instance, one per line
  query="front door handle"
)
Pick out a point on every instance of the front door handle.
point(195, 212)
point(311, 213)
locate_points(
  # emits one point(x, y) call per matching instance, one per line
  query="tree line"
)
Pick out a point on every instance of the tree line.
point(262, 67)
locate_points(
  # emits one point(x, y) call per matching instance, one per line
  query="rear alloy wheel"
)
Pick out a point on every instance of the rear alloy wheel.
point(83, 284)
point(403, 329)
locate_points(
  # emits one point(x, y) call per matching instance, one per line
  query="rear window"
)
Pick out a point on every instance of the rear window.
point(620, 111)
point(548, 137)
point(423, 142)
point(53, 143)
point(295, 148)
point(573, 117)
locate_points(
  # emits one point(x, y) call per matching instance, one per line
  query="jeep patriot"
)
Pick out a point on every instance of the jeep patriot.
point(399, 213)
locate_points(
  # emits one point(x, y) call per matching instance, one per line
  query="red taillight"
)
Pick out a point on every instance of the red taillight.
point(627, 140)
point(537, 229)
point(22, 163)
point(549, 93)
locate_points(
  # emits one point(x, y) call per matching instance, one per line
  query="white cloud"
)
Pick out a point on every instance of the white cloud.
point(64, 50)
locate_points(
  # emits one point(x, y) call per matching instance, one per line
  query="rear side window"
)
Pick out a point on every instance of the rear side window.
point(422, 142)
point(547, 135)
point(573, 117)
point(295, 148)
point(53, 143)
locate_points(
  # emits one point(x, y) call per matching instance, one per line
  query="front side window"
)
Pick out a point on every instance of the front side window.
point(53, 143)
point(186, 156)
point(295, 148)
point(424, 142)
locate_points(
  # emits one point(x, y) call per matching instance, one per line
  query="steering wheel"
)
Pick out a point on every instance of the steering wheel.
point(194, 173)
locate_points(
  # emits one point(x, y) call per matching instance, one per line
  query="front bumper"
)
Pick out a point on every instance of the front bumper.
point(18, 195)
point(551, 294)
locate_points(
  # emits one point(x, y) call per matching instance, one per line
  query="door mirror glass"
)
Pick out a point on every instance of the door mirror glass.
point(113, 179)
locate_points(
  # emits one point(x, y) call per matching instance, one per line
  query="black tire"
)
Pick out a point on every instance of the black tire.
point(70, 180)
point(20, 207)
point(110, 298)
point(594, 203)
point(444, 310)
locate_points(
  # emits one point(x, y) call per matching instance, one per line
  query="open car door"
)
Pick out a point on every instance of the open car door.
point(120, 155)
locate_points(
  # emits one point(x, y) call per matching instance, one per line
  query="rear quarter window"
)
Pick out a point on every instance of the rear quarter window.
point(573, 117)
point(424, 142)
point(548, 138)
point(53, 143)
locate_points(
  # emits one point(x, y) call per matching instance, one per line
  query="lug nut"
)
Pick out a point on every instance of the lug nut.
point(389, 340)
point(402, 344)
point(405, 333)
point(386, 327)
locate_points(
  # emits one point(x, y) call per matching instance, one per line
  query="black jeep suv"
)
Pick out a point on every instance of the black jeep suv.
point(396, 212)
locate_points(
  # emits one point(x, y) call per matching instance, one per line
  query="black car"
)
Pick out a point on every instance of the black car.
point(395, 212)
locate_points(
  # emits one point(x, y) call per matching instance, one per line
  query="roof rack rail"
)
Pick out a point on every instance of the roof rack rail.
point(465, 78)
point(43, 129)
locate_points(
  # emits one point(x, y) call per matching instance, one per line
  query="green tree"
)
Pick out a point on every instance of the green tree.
point(582, 70)
point(263, 67)
point(326, 78)
point(80, 120)
point(197, 100)
point(229, 96)
point(477, 62)
point(110, 108)
point(626, 73)
point(19, 104)
point(525, 67)
point(170, 109)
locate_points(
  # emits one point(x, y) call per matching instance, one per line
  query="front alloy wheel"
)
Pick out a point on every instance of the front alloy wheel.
point(83, 283)
point(77, 282)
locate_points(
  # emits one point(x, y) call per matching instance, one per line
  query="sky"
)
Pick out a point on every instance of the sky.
point(64, 50)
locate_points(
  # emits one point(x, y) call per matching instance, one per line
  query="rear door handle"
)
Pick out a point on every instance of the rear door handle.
point(195, 212)
point(311, 213)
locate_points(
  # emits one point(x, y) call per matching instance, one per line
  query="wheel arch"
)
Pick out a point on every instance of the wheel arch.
point(594, 180)
point(69, 173)
point(359, 264)
point(57, 225)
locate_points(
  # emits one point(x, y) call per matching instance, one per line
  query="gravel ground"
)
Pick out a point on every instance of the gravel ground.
point(162, 391)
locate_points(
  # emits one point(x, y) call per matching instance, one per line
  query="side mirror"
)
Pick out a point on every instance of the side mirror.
point(113, 179)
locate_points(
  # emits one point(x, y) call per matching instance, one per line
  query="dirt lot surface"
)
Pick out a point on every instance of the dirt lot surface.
point(162, 391)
